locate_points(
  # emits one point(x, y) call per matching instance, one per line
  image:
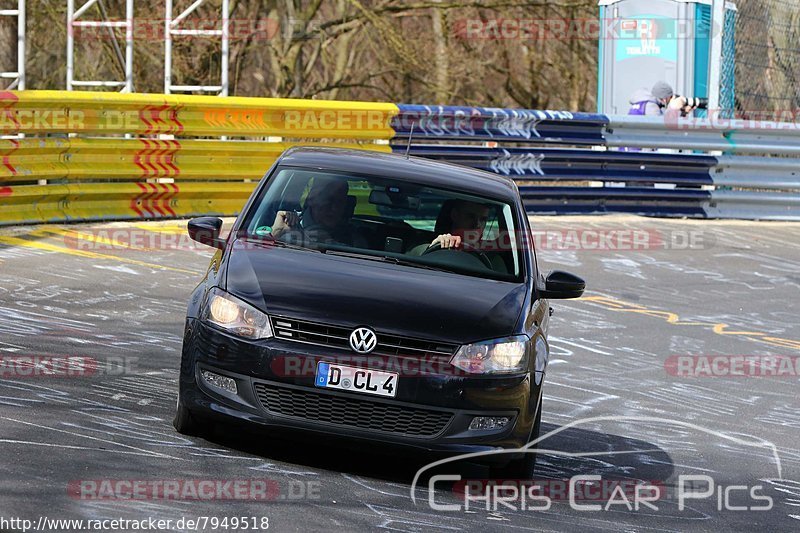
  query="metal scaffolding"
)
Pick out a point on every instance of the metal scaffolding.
point(18, 76)
point(73, 22)
point(172, 28)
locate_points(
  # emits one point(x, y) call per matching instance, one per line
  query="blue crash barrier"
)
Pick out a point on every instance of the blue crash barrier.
point(489, 123)
point(558, 164)
point(641, 201)
point(646, 165)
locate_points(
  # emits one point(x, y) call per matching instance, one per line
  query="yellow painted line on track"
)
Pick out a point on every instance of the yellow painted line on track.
point(718, 328)
point(171, 229)
point(48, 247)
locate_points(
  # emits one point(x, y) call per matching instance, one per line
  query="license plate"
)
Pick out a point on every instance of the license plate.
point(333, 376)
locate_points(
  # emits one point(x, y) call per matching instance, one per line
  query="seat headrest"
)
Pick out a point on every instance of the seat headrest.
point(444, 223)
point(350, 208)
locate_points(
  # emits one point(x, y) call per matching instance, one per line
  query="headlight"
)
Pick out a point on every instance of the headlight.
point(497, 356)
point(231, 314)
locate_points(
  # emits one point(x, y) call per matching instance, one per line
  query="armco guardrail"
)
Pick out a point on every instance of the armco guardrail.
point(640, 172)
point(557, 164)
point(77, 159)
point(104, 156)
point(731, 136)
point(161, 172)
point(496, 124)
point(658, 161)
point(47, 112)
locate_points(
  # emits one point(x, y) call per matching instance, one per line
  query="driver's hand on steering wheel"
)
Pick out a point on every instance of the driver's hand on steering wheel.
point(447, 241)
point(284, 221)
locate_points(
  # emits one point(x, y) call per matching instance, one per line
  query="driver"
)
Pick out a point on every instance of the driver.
point(467, 222)
point(326, 218)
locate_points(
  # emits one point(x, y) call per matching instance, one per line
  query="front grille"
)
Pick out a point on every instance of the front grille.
point(351, 412)
point(338, 337)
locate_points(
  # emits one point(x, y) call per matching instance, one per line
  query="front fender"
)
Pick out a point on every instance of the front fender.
point(211, 279)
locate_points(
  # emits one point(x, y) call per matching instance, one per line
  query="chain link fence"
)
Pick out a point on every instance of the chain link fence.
point(727, 82)
point(767, 67)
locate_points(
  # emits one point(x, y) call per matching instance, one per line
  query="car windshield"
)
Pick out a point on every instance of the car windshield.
point(383, 219)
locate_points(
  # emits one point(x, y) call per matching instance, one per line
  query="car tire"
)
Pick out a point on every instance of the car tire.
point(524, 467)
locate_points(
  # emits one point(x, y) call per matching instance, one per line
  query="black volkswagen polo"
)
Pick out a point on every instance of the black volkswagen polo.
point(377, 297)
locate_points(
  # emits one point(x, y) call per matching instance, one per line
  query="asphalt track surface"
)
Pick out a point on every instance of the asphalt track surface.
point(615, 406)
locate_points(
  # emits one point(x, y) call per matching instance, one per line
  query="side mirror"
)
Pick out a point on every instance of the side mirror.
point(562, 286)
point(205, 230)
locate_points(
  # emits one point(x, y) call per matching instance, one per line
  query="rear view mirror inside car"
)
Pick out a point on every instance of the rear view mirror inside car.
point(393, 198)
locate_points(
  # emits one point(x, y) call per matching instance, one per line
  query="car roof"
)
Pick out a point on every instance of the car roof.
point(414, 169)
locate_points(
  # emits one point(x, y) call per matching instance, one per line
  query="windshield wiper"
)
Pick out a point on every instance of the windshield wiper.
point(383, 259)
point(281, 244)
point(405, 262)
point(332, 251)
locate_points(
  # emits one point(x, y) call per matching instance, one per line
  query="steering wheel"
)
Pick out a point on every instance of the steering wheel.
point(466, 248)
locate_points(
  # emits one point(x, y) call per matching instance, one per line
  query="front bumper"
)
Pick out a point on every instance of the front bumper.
point(430, 412)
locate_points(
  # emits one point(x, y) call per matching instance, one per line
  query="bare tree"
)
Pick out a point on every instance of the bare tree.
point(379, 50)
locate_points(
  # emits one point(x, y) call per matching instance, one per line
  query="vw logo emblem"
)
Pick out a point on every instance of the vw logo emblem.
point(363, 340)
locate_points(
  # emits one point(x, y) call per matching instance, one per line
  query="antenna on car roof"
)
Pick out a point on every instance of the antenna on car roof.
point(410, 134)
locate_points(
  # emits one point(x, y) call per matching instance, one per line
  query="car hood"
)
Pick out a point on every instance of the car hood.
point(352, 292)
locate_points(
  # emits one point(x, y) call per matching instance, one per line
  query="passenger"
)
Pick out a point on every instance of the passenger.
point(326, 218)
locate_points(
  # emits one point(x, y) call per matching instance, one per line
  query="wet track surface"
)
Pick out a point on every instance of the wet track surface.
point(66, 292)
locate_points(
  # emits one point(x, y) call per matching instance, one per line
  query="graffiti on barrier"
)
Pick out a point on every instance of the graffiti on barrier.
point(519, 164)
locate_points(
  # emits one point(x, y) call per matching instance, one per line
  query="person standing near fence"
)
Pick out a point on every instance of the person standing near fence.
point(656, 101)
point(651, 102)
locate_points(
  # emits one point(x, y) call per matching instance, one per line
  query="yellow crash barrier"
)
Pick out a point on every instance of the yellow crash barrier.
point(26, 160)
point(32, 159)
point(120, 201)
point(180, 159)
point(36, 112)
point(110, 156)
point(31, 203)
